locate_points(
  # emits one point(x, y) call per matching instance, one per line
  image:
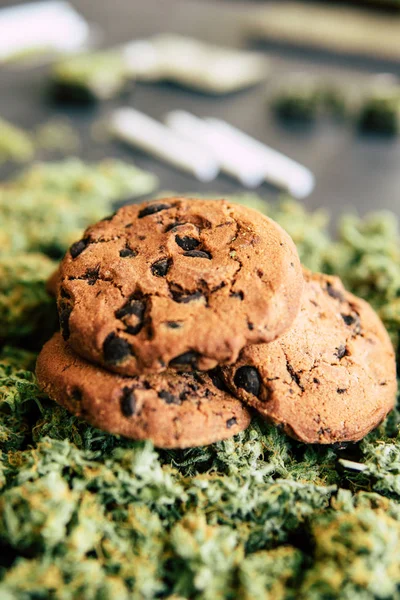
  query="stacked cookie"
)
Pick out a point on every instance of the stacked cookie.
point(180, 317)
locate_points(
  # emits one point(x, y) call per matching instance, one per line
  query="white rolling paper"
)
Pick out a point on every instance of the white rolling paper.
point(241, 156)
point(278, 169)
point(233, 160)
point(141, 131)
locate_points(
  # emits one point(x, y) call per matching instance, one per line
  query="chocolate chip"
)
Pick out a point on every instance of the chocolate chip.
point(187, 358)
point(115, 349)
point(174, 325)
point(324, 430)
point(186, 242)
point(340, 351)
point(128, 402)
point(250, 326)
point(173, 226)
point(168, 397)
point(341, 390)
point(132, 307)
point(64, 313)
point(353, 320)
point(217, 380)
point(198, 378)
point(231, 422)
point(348, 319)
point(64, 293)
point(151, 209)
point(127, 252)
point(334, 293)
point(249, 379)
point(239, 295)
point(317, 381)
point(198, 254)
point(193, 386)
point(161, 267)
point(78, 247)
point(184, 298)
point(134, 329)
point(92, 275)
point(76, 394)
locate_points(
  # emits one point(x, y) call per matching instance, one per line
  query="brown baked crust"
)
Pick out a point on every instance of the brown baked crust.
point(172, 410)
point(180, 282)
point(52, 283)
point(331, 378)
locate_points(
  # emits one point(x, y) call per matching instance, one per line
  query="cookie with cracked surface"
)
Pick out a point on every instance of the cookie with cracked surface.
point(173, 410)
point(177, 282)
point(331, 378)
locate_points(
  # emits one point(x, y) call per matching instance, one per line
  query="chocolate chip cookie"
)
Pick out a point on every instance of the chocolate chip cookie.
point(173, 410)
point(177, 282)
point(331, 378)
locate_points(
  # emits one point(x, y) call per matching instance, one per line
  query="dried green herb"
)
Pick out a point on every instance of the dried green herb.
point(84, 514)
point(380, 112)
point(367, 258)
point(26, 310)
point(15, 143)
point(57, 136)
point(304, 97)
point(357, 552)
point(46, 208)
point(20, 145)
point(270, 574)
point(373, 106)
point(90, 77)
point(299, 103)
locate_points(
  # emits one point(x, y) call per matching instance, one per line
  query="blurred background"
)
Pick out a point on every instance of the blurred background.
point(324, 89)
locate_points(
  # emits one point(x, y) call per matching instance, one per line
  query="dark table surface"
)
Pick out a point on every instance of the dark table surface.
point(351, 171)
